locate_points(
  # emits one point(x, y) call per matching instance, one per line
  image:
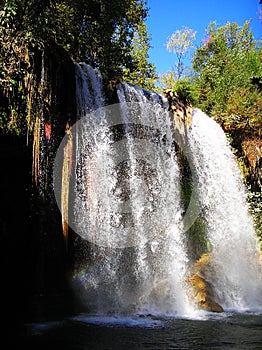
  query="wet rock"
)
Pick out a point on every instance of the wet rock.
point(203, 294)
point(202, 291)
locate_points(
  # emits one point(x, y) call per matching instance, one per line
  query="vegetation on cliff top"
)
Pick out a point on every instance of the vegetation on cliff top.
point(225, 79)
point(110, 35)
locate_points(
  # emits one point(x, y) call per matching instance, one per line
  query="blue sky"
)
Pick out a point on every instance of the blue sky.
point(166, 16)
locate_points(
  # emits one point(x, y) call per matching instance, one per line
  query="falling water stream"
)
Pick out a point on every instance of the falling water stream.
point(126, 203)
point(230, 230)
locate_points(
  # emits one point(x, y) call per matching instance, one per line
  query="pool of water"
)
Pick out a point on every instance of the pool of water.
point(228, 330)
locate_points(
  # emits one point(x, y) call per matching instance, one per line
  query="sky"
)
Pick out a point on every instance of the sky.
point(166, 16)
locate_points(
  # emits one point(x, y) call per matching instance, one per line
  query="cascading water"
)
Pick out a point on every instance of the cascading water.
point(161, 258)
point(126, 203)
point(236, 269)
point(88, 89)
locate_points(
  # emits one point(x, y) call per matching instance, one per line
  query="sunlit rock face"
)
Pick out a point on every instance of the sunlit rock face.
point(182, 110)
point(252, 151)
point(202, 291)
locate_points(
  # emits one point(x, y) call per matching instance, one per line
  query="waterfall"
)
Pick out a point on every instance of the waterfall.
point(236, 270)
point(88, 89)
point(124, 201)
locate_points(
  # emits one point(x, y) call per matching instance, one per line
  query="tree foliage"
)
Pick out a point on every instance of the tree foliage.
point(109, 35)
point(99, 32)
point(227, 64)
point(145, 75)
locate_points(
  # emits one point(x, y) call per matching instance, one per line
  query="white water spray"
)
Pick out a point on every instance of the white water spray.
point(127, 203)
point(222, 197)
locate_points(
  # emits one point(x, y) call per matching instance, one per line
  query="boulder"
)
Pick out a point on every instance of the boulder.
point(202, 292)
point(203, 295)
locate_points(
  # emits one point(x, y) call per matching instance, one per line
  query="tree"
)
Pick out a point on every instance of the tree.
point(103, 30)
point(144, 75)
point(99, 32)
point(109, 35)
point(226, 65)
point(178, 79)
point(179, 43)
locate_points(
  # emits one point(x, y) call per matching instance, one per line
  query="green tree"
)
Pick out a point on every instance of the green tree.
point(99, 32)
point(226, 65)
point(144, 75)
point(102, 33)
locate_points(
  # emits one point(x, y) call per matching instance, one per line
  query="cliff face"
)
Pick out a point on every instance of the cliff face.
point(34, 261)
point(248, 150)
point(252, 152)
point(252, 169)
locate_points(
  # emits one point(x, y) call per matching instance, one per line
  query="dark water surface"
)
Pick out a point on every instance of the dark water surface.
point(87, 332)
